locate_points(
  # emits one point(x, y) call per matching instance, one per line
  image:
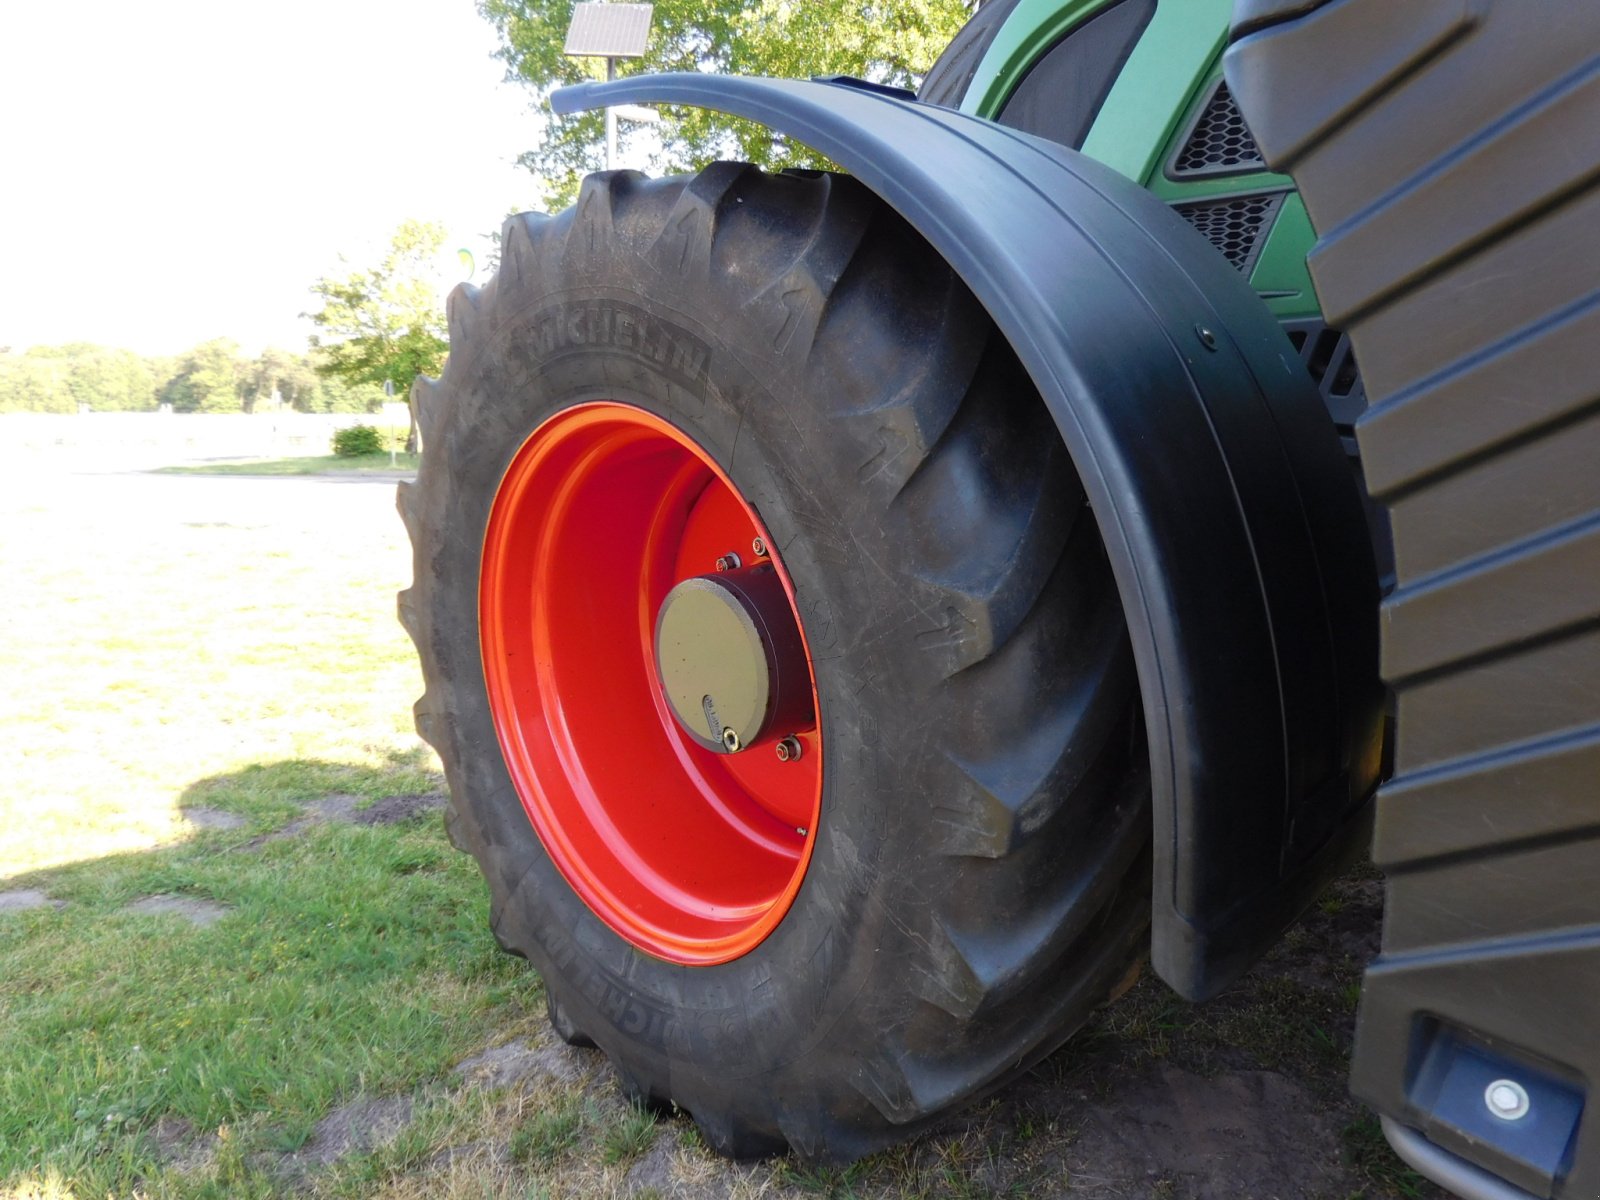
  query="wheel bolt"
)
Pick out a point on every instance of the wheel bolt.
point(789, 749)
point(758, 548)
point(730, 739)
point(1507, 1099)
point(728, 562)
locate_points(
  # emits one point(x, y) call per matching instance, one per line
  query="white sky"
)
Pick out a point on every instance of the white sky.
point(177, 170)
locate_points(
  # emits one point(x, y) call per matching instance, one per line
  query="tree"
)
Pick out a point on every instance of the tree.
point(887, 41)
point(105, 380)
point(337, 396)
point(35, 381)
point(386, 322)
point(208, 379)
point(290, 376)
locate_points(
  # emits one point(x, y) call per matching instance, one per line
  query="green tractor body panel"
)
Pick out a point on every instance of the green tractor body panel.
point(1156, 100)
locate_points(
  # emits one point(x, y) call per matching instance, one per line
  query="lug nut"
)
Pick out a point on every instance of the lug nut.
point(730, 739)
point(758, 548)
point(728, 562)
point(789, 749)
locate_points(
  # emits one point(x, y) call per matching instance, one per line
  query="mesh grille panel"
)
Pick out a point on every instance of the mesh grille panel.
point(1220, 142)
point(1332, 362)
point(1235, 227)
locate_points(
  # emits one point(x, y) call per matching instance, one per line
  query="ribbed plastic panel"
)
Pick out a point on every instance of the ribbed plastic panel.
point(1449, 153)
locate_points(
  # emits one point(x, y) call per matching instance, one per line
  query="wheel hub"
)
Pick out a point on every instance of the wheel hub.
point(731, 660)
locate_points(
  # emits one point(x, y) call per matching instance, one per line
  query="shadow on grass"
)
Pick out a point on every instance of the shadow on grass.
point(267, 793)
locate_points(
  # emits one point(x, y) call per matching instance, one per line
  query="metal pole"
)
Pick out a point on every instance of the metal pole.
point(611, 120)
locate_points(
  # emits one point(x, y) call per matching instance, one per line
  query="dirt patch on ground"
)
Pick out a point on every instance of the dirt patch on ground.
point(194, 909)
point(213, 818)
point(518, 1061)
point(22, 899)
point(342, 807)
point(1246, 1134)
point(392, 810)
point(180, 1146)
point(337, 807)
point(357, 1127)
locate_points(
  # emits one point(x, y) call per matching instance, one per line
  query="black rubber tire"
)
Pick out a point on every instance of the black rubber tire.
point(981, 876)
point(951, 75)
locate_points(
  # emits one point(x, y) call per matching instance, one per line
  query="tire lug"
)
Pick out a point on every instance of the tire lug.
point(730, 739)
point(789, 749)
point(728, 562)
point(758, 547)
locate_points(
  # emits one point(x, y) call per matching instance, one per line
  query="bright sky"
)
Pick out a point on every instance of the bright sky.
point(177, 170)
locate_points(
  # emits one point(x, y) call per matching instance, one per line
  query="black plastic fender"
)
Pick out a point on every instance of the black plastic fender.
point(1229, 513)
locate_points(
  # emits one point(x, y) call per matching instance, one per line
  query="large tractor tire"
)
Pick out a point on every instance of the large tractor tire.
point(735, 462)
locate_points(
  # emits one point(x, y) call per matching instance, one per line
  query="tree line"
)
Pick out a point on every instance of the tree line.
point(213, 377)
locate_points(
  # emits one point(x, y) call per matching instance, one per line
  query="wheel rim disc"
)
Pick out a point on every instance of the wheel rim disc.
point(691, 855)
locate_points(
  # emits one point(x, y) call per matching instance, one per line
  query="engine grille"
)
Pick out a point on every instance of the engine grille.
point(1219, 143)
point(1235, 226)
point(1331, 360)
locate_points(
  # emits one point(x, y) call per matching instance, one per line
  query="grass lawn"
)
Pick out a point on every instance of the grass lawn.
point(324, 464)
point(252, 965)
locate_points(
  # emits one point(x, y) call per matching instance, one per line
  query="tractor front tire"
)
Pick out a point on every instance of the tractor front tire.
point(974, 879)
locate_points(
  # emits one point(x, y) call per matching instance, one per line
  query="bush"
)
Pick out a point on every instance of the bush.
point(358, 440)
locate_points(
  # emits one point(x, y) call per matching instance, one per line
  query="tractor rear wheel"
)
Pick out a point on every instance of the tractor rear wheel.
point(774, 660)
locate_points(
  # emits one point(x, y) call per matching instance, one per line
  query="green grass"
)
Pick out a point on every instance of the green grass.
point(352, 961)
point(547, 1135)
point(326, 464)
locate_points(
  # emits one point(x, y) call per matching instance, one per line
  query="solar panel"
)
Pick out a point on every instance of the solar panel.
point(609, 30)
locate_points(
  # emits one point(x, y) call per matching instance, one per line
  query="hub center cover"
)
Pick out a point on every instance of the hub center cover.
point(730, 658)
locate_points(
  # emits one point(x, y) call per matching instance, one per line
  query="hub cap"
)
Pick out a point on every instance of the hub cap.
point(649, 683)
point(731, 660)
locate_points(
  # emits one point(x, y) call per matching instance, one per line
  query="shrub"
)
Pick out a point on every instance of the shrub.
point(357, 440)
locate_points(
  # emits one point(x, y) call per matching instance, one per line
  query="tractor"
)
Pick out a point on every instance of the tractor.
point(866, 614)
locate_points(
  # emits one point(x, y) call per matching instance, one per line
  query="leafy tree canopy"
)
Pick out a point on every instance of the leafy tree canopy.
point(208, 379)
point(887, 41)
point(385, 322)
